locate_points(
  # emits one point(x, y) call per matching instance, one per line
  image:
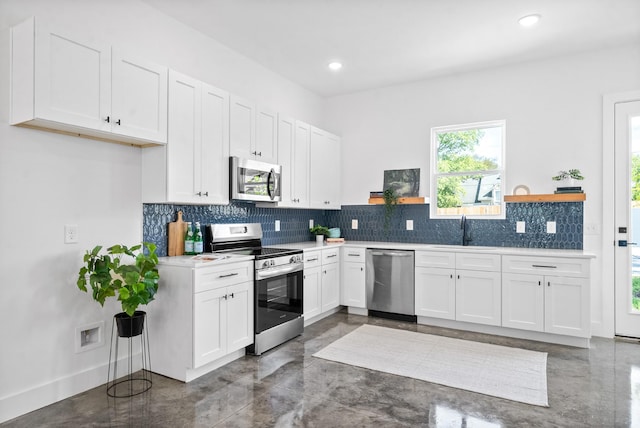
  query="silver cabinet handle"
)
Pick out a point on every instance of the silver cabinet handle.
point(228, 275)
point(315, 259)
point(331, 255)
point(545, 266)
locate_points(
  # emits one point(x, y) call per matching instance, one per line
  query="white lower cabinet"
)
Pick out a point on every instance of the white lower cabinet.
point(458, 286)
point(321, 282)
point(435, 292)
point(546, 295)
point(352, 280)
point(202, 318)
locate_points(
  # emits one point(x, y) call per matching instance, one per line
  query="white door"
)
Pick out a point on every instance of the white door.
point(479, 297)
point(330, 296)
point(214, 163)
point(184, 138)
point(239, 303)
point(242, 128)
point(209, 326)
point(300, 170)
point(72, 79)
point(627, 215)
point(266, 135)
point(138, 98)
point(286, 141)
point(312, 297)
point(435, 292)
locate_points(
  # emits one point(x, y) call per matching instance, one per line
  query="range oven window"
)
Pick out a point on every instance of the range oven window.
point(278, 300)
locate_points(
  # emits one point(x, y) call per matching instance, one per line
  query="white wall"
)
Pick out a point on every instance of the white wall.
point(553, 111)
point(48, 180)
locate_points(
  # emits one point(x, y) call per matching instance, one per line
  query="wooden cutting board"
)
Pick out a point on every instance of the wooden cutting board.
point(175, 236)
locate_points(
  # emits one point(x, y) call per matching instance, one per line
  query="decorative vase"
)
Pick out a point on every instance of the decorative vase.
point(319, 239)
point(130, 326)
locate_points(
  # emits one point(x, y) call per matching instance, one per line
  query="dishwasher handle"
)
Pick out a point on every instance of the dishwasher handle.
point(392, 253)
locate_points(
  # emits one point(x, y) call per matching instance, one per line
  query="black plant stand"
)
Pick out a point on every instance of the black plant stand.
point(128, 384)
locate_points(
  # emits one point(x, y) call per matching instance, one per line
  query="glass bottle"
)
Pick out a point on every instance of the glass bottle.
point(198, 245)
point(188, 240)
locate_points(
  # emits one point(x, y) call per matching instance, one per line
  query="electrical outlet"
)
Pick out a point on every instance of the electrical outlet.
point(520, 227)
point(354, 223)
point(592, 229)
point(551, 227)
point(277, 225)
point(409, 224)
point(310, 223)
point(70, 233)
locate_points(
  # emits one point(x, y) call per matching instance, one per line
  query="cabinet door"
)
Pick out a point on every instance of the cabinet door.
point(214, 160)
point(239, 324)
point(523, 301)
point(435, 292)
point(334, 183)
point(72, 78)
point(567, 306)
point(242, 127)
point(266, 147)
point(209, 326)
point(478, 297)
point(319, 169)
point(300, 193)
point(138, 98)
point(183, 148)
point(330, 287)
point(312, 296)
point(353, 285)
point(286, 141)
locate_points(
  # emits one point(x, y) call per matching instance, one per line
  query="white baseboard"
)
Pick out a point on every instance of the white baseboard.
point(28, 400)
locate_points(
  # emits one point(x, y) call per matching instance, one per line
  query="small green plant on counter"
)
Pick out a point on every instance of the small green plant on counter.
point(319, 230)
point(574, 174)
point(135, 283)
point(390, 202)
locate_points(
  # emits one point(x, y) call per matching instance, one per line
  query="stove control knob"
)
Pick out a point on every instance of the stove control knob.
point(295, 259)
point(267, 263)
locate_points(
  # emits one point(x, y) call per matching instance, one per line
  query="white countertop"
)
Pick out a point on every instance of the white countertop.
point(206, 259)
point(541, 252)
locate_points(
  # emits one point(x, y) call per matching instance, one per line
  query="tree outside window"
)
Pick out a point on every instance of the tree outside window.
point(468, 170)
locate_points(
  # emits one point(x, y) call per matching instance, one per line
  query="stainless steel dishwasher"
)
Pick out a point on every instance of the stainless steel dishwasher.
point(390, 281)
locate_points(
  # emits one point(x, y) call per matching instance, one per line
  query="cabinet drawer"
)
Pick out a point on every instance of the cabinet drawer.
point(330, 256)
point(350, 254)
point(478, 261)
point(437, 259)
point(546, 266)
point(312, 259)
point(222, 276)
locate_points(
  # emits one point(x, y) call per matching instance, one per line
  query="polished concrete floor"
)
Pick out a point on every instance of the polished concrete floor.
point(287, 387)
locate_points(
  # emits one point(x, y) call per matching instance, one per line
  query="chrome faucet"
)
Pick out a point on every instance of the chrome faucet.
point(466, 235)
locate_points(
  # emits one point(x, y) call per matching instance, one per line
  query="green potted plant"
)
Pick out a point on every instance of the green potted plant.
point(320, 232)
point(390, 202)
point(135, 283)
point(568, 176)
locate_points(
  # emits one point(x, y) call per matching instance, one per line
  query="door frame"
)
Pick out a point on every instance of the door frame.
point(608, 207)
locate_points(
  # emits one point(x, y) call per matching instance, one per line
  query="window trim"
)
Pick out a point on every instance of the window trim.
point(433, 205)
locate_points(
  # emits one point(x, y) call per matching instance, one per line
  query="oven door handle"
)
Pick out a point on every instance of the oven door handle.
point(271, 272)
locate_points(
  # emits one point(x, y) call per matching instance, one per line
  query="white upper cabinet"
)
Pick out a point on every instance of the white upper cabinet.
point(138, 98)
point(266, 148)
point(62, 82)
point(242, 129)
point(300, 169)
point(253, 131)
point(324, 170)
point(194, 166)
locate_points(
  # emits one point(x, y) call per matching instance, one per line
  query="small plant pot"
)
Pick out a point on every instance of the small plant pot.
point(130, 326)
point(319, 239)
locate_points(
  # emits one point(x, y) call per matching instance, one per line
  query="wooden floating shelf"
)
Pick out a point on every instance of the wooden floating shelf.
point(553, 197)
point(416, 200)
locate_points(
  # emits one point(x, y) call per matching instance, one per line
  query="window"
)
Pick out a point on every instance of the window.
point(467, 170)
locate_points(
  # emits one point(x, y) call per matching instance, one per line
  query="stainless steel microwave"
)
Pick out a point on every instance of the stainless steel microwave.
point(252, 180)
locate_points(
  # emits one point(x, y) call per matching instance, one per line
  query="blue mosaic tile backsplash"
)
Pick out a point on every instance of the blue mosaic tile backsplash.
point(294, 224)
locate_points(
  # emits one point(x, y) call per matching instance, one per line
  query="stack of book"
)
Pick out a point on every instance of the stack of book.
point(572, 189)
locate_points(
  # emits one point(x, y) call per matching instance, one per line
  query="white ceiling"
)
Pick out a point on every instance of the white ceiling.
point(387, 42)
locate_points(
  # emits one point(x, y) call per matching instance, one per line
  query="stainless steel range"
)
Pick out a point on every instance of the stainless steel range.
point(277, 285)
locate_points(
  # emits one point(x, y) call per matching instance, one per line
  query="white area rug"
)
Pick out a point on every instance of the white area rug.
point(511, 373)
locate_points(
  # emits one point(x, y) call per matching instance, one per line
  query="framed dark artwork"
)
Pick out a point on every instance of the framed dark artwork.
point(405, 182)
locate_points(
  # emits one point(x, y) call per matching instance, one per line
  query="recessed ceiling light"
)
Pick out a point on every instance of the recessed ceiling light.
point(335, 65)
point(529, 20)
